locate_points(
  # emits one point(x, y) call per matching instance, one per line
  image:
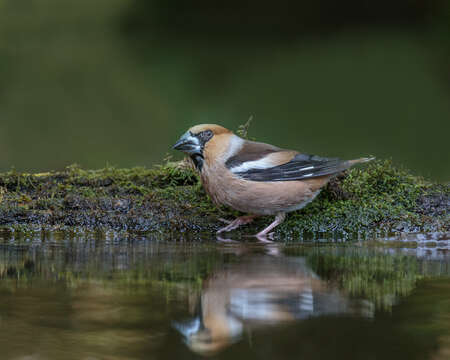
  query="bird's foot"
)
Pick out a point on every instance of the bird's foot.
point(225, 220)
point(266, 233)
point(265, 237)
point(220, 239)
point(242, 220)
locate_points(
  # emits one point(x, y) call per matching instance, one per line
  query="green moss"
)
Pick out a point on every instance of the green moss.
point(169, 198)
point(377, 198)
point(364, 272)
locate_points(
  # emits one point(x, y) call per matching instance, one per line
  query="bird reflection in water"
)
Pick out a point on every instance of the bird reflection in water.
point(262, 290)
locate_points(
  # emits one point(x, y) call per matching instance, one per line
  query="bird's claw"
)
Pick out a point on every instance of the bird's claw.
point(225, 220)
point(265, 237)
point(231, 226)
point(222, 240)
point(235, 223)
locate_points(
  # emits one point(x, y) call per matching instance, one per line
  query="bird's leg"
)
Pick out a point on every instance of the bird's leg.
point(242, 220)
point(278, 220)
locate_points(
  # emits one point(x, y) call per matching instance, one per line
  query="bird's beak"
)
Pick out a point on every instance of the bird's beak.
point(188, 328)
point(188, 143)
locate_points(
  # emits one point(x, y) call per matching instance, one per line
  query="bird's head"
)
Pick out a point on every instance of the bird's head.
point(213, 329)
point(198, 139)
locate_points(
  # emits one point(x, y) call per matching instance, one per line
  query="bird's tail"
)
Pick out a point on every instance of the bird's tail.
point(360, 160)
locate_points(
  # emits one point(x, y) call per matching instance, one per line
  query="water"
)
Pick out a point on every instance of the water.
point(92, 296)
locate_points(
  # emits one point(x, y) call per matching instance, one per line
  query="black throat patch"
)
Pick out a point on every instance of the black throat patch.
point(198, 161)
point(203, 137)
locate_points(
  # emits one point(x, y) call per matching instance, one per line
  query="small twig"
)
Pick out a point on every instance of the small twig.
point(242, 130)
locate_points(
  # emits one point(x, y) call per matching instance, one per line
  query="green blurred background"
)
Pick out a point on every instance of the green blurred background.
point(117, 81)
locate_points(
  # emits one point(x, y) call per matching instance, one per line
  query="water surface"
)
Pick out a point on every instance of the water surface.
point(90, 296)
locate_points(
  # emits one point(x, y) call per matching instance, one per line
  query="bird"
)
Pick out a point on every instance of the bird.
point(262, 291)
point(256, 178)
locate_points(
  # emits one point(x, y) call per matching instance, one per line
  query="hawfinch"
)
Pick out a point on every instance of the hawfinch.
point(256, 178)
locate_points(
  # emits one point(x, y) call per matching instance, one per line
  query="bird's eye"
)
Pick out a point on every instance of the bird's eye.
point(206, 135)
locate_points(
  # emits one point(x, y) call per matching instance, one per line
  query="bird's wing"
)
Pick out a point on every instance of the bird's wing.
point(252, 154)
point(298, 167)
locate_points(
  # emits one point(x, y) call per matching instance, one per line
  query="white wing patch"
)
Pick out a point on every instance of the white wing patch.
point(307, 168)
point(301, 166)
point(263, 163)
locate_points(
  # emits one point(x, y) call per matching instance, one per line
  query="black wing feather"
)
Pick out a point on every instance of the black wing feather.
point(301, 167)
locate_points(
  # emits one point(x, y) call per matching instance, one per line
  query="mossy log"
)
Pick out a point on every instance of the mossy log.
point(374, 199)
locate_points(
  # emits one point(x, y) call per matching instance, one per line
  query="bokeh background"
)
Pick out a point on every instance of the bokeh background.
point(117, 81)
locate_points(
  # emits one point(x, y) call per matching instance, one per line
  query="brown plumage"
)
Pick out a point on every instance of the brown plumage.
point(256, 178)
point(262, 291)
